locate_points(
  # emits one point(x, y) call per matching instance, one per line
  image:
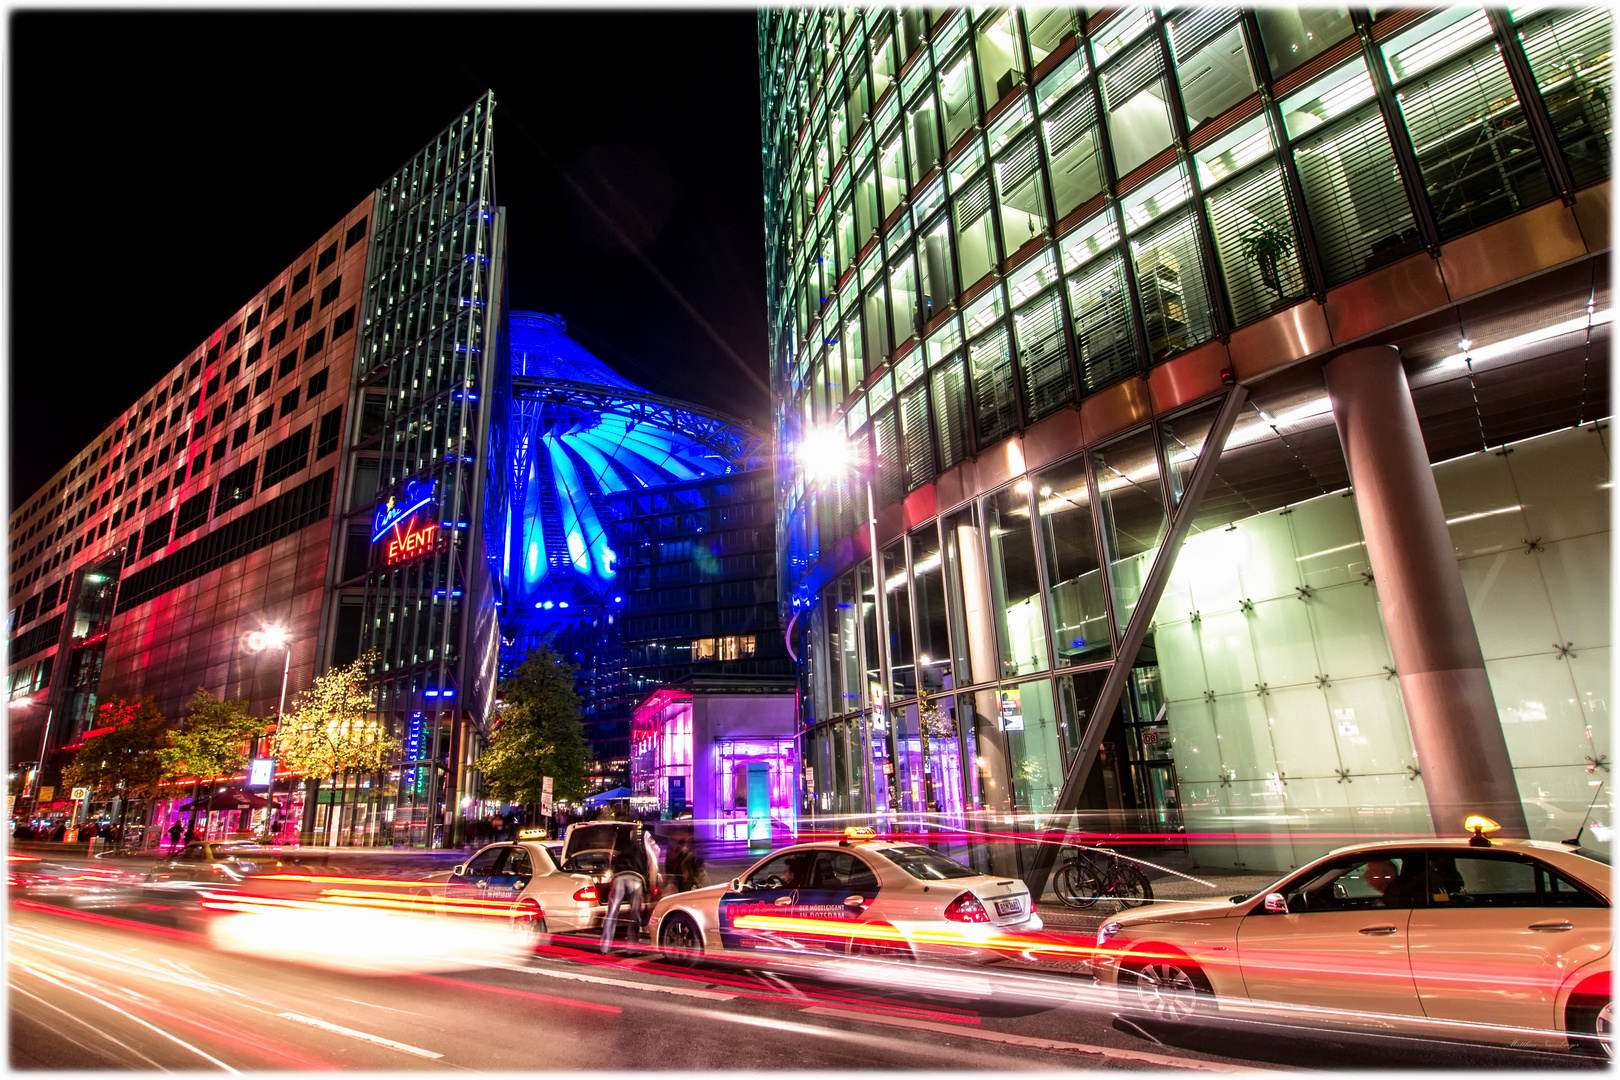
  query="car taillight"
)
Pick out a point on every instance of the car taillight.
point(966, 908)
point(587, 895)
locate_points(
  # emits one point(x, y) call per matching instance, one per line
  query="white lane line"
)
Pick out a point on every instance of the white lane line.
point(80, 1020)
point(353, 1034)
point(122, 1012)
point(1036, 1043)
point(374, 1005)
point(678, 991)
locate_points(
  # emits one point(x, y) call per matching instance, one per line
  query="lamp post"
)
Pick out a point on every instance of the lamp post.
point(825, 453)
point(275, 637)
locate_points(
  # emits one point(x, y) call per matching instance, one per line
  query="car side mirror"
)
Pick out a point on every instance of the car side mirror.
point(736, 884)
point(459, 871)
point(1277, 902)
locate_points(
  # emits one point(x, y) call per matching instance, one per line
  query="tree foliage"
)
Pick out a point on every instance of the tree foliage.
point(332, 728)
point(130, 753)
point(538, 733)
point(212, 739)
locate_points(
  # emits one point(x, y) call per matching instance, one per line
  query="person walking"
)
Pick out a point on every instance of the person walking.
point(174, 836)
point(683, 870)
point(630, 876)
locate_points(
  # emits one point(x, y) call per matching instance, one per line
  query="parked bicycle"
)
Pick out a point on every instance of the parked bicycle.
point(1089, 876)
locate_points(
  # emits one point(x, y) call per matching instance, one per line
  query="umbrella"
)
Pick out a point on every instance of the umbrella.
point(608, 796)
point(230, 799)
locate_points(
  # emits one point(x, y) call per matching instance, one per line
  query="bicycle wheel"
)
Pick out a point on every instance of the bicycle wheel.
point(1071, 888)
point(1089, 877)
point(1129, 887)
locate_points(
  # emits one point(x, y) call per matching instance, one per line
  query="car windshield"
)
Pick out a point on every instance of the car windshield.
point(927, 865)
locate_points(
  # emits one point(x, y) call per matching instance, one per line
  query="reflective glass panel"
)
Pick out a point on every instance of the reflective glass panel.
point(928, 596)
point(1075, 599)
point(1014, 581)
point(1133, 516)
point(1030, 724)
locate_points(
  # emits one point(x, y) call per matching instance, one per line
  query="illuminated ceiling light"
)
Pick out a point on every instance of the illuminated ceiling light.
point(1023, 487)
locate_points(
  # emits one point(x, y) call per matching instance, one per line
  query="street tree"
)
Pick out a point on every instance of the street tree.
point(126, 758)
point(332, 727)
point(212, 741)
point(538, 733)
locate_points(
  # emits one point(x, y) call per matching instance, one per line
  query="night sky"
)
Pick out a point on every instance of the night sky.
point(165, 165)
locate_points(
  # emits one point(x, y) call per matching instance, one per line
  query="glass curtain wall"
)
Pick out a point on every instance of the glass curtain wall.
point(428, 361)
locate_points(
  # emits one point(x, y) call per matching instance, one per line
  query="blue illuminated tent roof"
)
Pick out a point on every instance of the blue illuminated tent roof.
point(580, 431)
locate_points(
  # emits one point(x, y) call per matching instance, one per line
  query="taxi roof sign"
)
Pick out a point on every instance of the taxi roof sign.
point(1479, 825)
point(859, 832)
point(531, 834)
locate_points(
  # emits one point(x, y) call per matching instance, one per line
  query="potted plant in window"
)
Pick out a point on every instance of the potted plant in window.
point(1267, 245)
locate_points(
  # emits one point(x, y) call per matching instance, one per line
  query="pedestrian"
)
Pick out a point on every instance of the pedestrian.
point(191, 833)
point(174, 835)
point(680, 863)
point(630, 876)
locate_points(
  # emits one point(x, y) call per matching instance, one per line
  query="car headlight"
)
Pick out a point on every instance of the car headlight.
point(1107, 931)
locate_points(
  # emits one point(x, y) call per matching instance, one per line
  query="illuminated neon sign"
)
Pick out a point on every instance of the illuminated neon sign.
point(410, 540)
point(412, 497)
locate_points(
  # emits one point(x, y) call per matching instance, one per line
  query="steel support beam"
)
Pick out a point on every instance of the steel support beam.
point(1079, 771)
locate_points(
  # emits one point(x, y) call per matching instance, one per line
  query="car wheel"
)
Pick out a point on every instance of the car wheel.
point(880, 941)
point(679, 940)
point(1592, 1016)
point(1169, 989)
point(529, 923)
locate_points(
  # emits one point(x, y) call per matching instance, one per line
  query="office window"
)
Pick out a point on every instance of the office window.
point(233, 337)
point(1072, 153)
point(217, 452)
point(254, 318)
point(1295, 35)
point(181, 440)
point(1569, 53)
point(317, 383)
point(213, 387)
point(235, 487)
point(213, 354)
point(303, 312)
point(958, 98)
point(330, 433)
point(146, 410)
point(198, 464)
point(289, 401)
point(356, 233)
point(277, 298)
point(1357, 206)
point(975, 232)
point(193, 512)
point(146, 498)
point(262, 382)
point(287, 364)
point(343, 323)
point(156, 533)
point(1212, 64)
point(326, 258)
point(239, 436)
point(314, 343)
point(162, 488)
point(300, 279)
point(1473, 147)
point(329, 291)
point(218, 414)
point(278, 334)
point(194, 370)
point(232, 370)
point(263, 420)
point(146, 468)
point(253, 353)
point(1138, 115)
point(286, 457)
point(194, 400)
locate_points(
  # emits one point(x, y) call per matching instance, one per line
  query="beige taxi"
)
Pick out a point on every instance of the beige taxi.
point(1507, 942)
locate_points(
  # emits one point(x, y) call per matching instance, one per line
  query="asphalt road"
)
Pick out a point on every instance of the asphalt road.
point(94, 990)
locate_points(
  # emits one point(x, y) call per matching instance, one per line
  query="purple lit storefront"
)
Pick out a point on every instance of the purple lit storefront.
point(692, 748)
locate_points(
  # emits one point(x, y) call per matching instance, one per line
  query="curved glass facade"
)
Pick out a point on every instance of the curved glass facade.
point(980, 220)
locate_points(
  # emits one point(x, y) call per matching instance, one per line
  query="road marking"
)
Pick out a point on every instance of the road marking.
point(678, 991)
point(353, 1034)
point(374, 1005)
point(80, 1020)
point(1161, 1060)
point(122, 1012)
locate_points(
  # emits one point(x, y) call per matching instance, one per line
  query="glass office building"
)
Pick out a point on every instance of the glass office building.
point(1106, 309)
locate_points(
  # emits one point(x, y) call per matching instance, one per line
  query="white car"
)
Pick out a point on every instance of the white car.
point(1508, 942)
point(523, 883)
point(855, 897)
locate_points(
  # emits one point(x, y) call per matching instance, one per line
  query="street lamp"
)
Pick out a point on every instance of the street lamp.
point(825, 455)
point(275, 637)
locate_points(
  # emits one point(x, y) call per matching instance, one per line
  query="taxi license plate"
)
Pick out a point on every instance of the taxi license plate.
point(1009, 907)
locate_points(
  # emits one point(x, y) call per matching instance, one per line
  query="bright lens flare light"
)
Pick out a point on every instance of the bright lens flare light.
point(271, 637)
point(824, 454)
